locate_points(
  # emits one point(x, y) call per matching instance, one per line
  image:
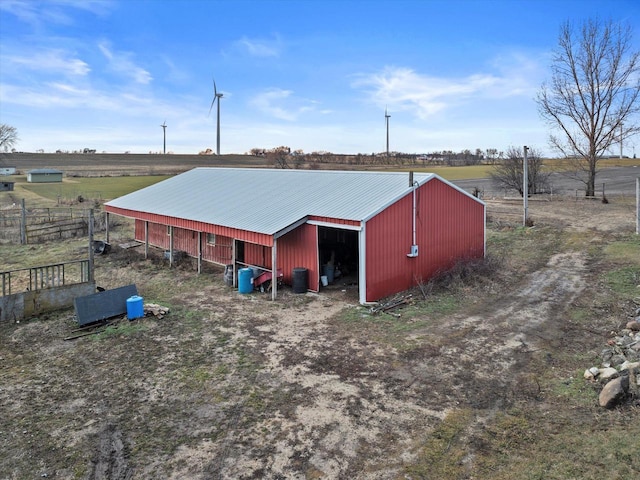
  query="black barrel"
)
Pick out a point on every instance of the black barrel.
point(300, 280)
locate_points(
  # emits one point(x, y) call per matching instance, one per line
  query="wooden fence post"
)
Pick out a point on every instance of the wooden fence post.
point(91, 245)
point(23, 224)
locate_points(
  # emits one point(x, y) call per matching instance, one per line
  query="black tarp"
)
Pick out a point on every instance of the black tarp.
point(102, 305)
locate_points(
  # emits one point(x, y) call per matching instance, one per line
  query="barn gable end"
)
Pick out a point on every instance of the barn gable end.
point(449, 227)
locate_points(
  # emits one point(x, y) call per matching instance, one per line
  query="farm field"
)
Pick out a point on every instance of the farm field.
point(481, 378)
point(117, 179)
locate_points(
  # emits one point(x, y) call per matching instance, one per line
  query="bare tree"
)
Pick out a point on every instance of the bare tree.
point(509, 173)
point(593, 95)
point(278, 156)
point(8, 137)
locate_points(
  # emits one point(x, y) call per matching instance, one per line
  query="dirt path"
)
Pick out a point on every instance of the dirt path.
point(359, 408)
point(233, 386)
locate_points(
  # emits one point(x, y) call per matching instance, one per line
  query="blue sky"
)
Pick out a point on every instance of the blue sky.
point(312, 75)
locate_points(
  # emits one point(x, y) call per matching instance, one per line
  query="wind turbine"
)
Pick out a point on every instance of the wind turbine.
point(164, 135)
point(386, 122)
point(216, 96)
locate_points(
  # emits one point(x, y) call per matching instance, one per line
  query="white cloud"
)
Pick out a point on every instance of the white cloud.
point(260, 48)
point(281, 104)
point(121, 62)
point(427, 95)
point(45, 12)
point(174, 72)
point(50, 61)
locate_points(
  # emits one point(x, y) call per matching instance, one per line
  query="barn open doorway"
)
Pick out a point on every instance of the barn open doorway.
point(339, 257)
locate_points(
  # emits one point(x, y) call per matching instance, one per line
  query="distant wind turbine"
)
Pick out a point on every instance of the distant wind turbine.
point(386, 122)
point(164, 135)
point(216, 96)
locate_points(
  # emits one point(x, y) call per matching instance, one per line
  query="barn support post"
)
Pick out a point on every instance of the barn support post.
point(146, 239)
point(106, 226)
point(199, 252)
point(233, 263)
point(170, 245)
point(362, 261)
point(274, 269)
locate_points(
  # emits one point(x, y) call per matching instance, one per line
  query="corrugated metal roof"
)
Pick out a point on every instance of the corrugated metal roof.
point(45, 170)
point(269, 200)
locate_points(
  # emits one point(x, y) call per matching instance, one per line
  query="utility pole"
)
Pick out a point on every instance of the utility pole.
point(525, 186)
point(638, 206)
point(164, 135)
point(621, 140)
point(386, 121)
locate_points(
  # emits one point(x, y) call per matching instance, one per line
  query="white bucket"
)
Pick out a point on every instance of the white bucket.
point(324, 280)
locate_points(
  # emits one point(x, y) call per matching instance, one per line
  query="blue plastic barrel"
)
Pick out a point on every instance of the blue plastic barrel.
point(135, 307)
point(245, 280)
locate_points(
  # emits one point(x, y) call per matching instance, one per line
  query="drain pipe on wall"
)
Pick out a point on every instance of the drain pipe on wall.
point(414, 247)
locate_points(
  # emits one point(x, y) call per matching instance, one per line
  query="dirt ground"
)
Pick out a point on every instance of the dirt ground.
point(311, 386)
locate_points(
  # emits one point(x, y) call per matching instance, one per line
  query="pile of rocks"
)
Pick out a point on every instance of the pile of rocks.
point(620, 366)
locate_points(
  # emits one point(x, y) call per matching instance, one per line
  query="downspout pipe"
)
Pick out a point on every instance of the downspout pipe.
point(414, 247)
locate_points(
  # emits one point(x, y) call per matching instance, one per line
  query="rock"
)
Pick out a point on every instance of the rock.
point(606, 374)
point(614, 392)
point(632, 355)
point(627, 340)
point(589, 375)
point(606, 353)
point(634, 326)
point(627, 365)
point(617, 360)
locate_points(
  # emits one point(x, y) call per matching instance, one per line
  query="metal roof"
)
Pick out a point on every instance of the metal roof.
point(269, 200)
point(45, 170)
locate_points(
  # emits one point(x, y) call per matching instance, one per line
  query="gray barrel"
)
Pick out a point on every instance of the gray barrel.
point(228, 275)
point(300, 280)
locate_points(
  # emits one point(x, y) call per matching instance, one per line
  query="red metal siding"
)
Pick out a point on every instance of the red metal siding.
point(186, 241)
point(299, 248)
point(449, 227)
point(221, 252)
point(257, 255)
point(244, 235)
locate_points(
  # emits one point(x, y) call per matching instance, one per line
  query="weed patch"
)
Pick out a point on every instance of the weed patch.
point(624, 282)
point(444, 451)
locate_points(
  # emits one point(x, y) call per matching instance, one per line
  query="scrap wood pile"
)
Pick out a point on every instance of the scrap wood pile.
point(394, 303)
point(156, 310)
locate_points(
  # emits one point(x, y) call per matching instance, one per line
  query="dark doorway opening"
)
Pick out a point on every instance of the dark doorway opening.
point(239, 251)
point(339, 257)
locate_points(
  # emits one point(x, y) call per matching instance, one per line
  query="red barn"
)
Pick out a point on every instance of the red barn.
point(384, 230)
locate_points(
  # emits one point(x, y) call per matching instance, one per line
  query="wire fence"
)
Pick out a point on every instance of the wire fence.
point(22, 225)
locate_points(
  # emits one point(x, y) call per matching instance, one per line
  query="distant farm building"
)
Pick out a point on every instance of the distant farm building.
point(44, 175)
point(384, 232)
point(7, 170)
point(6, 186)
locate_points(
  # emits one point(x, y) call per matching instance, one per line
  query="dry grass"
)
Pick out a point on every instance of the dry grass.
point(461, 385)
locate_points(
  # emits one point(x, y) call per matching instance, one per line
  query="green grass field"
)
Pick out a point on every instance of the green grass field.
point(100, 188)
